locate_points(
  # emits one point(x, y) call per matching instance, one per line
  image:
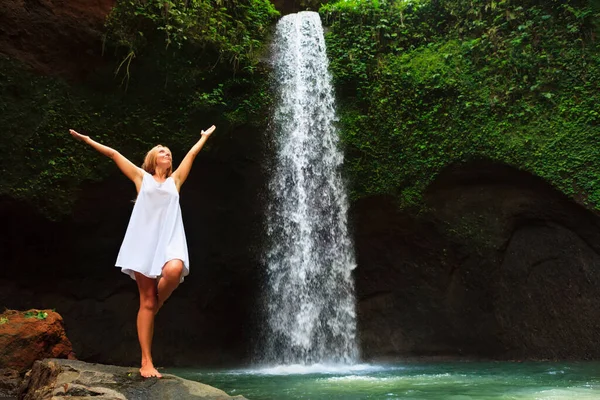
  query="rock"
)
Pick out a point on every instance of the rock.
point(58, 378)
point(25, 338)
point(500, 265)
point(54, 37)
point(9, 382)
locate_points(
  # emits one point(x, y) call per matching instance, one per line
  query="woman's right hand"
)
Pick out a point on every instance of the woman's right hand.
point(78, 135)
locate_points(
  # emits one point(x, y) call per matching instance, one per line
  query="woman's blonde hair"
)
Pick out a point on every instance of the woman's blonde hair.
point(149, 164)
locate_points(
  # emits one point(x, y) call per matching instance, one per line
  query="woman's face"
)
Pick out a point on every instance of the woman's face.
point(163, 157)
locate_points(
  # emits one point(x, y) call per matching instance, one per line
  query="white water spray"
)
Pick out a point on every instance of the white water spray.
point(310, 299)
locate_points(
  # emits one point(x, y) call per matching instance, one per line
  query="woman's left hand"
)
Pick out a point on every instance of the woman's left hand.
point(208, 131)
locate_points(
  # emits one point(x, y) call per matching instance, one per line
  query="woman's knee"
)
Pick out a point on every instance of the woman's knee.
point(149, 303)
point(173, 269)
point(148, 292)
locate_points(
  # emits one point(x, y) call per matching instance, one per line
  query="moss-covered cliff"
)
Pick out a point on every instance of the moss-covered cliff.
point(153, 72)
point(163, 71)
point(471, 131)
point(428, 84)
point(422, 85)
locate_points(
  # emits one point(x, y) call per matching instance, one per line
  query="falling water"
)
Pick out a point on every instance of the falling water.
point(310, 299)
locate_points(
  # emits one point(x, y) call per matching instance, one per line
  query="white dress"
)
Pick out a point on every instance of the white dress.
point(155, 232)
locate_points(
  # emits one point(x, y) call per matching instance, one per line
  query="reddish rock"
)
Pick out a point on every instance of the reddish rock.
point(23, 340)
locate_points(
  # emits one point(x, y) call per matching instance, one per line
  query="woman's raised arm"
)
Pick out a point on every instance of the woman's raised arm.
point(128, 168)
point(182, 172)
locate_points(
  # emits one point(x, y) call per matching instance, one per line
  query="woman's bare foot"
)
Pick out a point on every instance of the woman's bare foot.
point(148, 371)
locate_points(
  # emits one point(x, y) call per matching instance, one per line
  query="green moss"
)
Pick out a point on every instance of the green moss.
point(189, 71)
point(428, 84)
point(231, 30)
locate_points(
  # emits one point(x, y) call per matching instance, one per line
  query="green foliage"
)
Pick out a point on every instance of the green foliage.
point(36, 314)
point(3, 320)
point(426, 84)
point(233, 29)
point(211, 50)
point(180, 67)
point(44, 166)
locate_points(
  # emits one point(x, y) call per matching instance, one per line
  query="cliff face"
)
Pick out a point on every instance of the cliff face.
point(54, 36)
point(69, 265)
point(502, 265)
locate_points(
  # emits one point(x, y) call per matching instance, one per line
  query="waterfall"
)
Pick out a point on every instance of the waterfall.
point(310, 295)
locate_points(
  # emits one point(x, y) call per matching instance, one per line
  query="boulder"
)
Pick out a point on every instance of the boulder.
point(9, 382)
point(59, 378)
point(32, 335)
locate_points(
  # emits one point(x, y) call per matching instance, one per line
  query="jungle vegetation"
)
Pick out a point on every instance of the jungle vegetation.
point(421, 85)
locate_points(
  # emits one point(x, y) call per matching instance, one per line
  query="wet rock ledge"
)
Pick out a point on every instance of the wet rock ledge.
point(70, 379)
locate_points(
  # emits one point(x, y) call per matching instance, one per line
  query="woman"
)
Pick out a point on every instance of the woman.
point(154, 250)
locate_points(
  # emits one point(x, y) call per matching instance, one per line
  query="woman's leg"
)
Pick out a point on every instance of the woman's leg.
point(171, 276)
point(145, 322)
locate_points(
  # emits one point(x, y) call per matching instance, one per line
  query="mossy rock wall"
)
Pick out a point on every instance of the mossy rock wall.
point(471, 140)
point(428, 84)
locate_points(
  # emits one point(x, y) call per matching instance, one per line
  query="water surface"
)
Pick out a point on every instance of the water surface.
point(426, 381)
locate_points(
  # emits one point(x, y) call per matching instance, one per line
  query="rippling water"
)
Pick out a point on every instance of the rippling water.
point(423, 381)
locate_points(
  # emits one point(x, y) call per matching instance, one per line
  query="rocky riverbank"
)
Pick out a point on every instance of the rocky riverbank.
point(58, 378)
point(31, 341)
